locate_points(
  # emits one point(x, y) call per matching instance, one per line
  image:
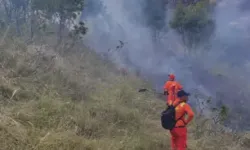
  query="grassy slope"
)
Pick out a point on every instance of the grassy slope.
point(78, 101)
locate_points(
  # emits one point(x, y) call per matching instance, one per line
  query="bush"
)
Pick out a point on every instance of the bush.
point(194, 23)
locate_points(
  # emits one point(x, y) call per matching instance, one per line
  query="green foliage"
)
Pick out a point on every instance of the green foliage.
point(63, 8)
point(38, 17)
point(223, 112)
point(15, 13)
point(219, 113)
point(79, 30)
point(193, 23)
point(13, 8)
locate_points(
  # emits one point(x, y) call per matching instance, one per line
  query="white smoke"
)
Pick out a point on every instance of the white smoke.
point(121, 20)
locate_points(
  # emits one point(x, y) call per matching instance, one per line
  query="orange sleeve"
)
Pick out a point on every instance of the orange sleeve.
point(189, 112)
point(179, 86)
point(166, 86)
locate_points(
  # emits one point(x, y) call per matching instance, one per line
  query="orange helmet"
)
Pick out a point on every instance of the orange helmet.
point(171, 77)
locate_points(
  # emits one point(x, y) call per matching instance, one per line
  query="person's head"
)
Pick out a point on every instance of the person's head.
point(182, 95)
point(171, 77)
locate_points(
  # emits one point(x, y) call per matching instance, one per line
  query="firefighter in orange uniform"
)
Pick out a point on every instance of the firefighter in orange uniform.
point(179, 132)
point(171, 88)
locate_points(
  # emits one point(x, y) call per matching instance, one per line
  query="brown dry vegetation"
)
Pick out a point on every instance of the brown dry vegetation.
point(57, 100)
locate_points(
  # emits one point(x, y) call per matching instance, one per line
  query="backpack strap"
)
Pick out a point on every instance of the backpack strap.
point(181, 119)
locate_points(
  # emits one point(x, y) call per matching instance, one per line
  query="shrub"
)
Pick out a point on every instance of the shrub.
point(194, 23)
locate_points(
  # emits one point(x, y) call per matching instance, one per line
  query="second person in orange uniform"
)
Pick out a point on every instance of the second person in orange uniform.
point(179, 132)
point(171, 88)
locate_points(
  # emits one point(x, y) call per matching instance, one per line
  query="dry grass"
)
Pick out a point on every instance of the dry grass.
point(79, 102)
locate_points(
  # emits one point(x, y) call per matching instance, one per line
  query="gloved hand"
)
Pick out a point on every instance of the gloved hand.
point(184, 121)
point(165, 93)
point(167, 106)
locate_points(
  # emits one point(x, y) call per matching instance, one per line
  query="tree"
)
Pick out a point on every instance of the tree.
point(194, 23)
point(34, 16)
point(15, 12)
point(65, 10)
point(155, 16)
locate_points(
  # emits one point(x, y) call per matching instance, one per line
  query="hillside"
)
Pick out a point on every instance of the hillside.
point(58, 94)
point(72, 101)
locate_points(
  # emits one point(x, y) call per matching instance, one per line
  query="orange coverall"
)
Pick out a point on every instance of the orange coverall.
point(179, 133)
point(172, 87)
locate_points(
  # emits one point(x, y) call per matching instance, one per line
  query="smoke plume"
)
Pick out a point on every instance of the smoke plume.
point(221, 70)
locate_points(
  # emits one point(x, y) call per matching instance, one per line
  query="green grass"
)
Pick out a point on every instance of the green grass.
point(80, 102)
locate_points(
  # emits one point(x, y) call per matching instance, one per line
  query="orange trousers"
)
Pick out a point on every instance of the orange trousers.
point(179, 138)
point(170, 98)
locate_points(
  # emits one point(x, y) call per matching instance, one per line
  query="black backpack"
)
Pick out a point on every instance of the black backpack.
point(168, 118)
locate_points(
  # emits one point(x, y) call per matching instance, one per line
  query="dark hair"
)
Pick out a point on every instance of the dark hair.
point(182, 93)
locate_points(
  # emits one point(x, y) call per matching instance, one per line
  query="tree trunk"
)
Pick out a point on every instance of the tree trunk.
point(31, 27)
point(62, 20)
point(60, 30)
point(8, 12)
point(18, 31)
point(31, 21)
